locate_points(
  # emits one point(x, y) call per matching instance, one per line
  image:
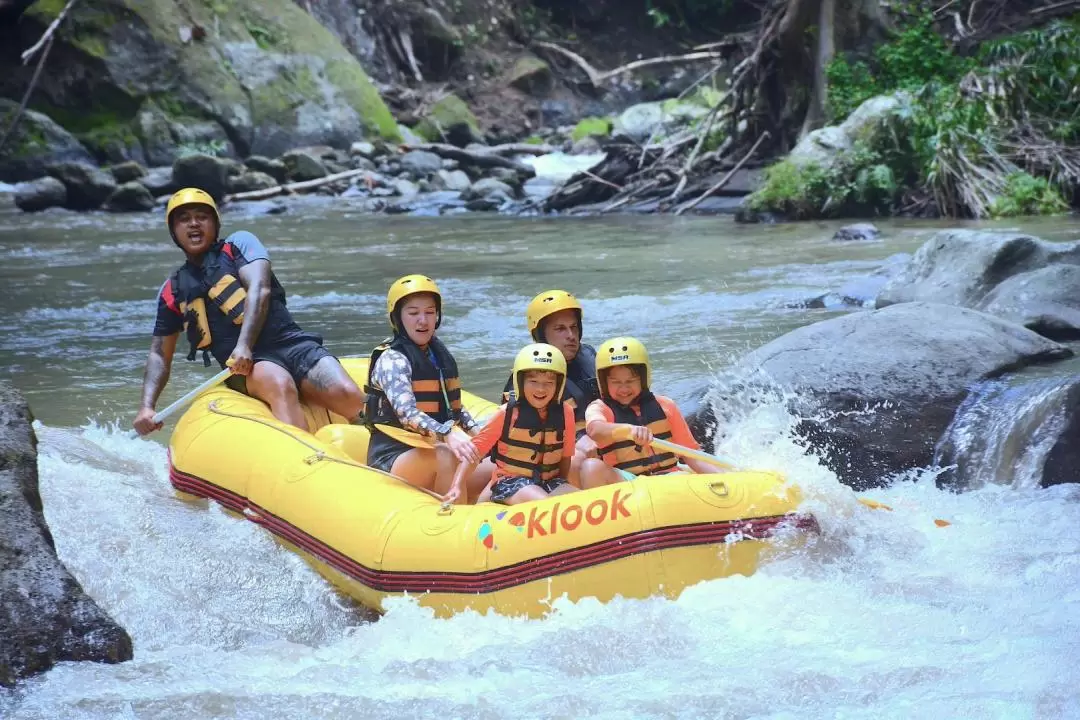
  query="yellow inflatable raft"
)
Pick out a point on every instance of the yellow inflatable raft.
point(376, 537)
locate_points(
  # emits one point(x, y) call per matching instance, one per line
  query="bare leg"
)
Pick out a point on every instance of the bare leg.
point(274, 386)
point(529, 493)
point(417, 467)
point(596, 473)
point(446, 463)
point(563, 490)
point(327, 384)
point(478, 480)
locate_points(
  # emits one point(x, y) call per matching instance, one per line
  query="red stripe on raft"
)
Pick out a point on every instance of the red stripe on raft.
point(505, 577)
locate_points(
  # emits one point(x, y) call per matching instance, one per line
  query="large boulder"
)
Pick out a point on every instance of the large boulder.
point(1046, 300)
point(267, 75)
point(37, 143)
point(87, 186)
point(205, 172)
point(1012, 275)
point(45, 617)
point(865, 126)
point(130, 197)
point(875, 390)
point(40, 194)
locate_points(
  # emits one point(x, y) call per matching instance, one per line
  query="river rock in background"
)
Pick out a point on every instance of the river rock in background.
point(45, 617)
point(37, 143)
point(875, 390)
point(151, 74)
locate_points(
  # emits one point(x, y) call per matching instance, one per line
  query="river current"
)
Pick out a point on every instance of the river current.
point(887, 615)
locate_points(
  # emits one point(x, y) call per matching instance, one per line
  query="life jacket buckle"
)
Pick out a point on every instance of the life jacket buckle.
point(312, 459)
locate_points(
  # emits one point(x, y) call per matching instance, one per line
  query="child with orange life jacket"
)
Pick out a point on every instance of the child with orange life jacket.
point(532, 435)
point(626, 418)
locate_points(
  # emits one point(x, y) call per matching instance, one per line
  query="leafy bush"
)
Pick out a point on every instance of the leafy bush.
point(1027, 195)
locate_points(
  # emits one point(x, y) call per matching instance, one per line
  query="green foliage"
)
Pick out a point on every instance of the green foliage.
point(1027, 195)
point(858, 182)
point(591, 126)
point(915, 57)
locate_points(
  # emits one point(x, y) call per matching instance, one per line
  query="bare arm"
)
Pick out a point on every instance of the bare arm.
point(158, 366)
point(255, 278)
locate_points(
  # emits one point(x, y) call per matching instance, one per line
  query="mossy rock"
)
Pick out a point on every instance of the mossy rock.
point(591, 127)
point(530, 74)
point(37, 143)
point(268, 73)
point(450, 120)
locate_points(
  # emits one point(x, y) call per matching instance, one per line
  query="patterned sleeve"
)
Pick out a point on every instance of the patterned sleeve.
point(394, 375)
point(467, 421)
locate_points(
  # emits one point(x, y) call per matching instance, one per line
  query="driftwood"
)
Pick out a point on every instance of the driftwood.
point(725, 180)
point(294, 187)
point(45, 40)
point(600, 182)
point(596, 77)
point(479, 158)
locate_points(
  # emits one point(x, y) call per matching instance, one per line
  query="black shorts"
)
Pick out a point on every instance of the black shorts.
point(297, 354)
point(504, 488)
point(383, 450)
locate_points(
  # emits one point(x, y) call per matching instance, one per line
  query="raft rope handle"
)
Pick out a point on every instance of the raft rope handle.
point(319, 453)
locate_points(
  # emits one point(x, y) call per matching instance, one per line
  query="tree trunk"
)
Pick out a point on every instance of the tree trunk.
point(826, 50)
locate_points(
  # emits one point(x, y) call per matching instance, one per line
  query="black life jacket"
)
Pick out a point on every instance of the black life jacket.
point(528, 446)
point(216, 329)
point(632, 458)
point(437, 394)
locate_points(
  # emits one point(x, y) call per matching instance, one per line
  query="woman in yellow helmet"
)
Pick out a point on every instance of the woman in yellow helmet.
point(419, 427)
point(628, 416)
point(230, 305)
point(532, 435)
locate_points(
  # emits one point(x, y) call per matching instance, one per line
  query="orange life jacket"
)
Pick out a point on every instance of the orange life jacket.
point(624, 454)
point(530, 447)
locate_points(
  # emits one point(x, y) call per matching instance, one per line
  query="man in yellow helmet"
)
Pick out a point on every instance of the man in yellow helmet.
point(554, 317)
point(230, 305)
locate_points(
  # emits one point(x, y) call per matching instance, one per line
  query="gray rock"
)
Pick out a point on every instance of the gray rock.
point(639, 121)
point(154, 130)
point(363, 149)
point(40, 194)
point(159, 181)
point(865, 125)
point(249, 181)
point(301, 165)
point(130, 197)
point(450, 164)
point(37, 143)
point(87, 186)
point(1046, 300)
point(127, 171)
point(406, 189)
point(486, 188)
point(206, 172)
point(362, 163)
point(530, 74)
point(409, 137)
point(857, 231)
point(586, 146)
point(510, 178)
point(454, 180)
point(876, 390)
point(274, 168)
point(959, 267)
point(420, 163)
point(556, 112)
point(45, 617)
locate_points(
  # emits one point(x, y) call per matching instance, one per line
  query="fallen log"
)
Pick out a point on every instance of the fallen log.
point(724, 180)
point(289, 188)
point(485, 159)
point(598, 76)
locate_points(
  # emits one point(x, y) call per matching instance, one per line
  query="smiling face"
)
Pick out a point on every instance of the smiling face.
point(623, 384)
point(194, 227)
point(563, 330)
point(419, 315)
point(539, 387)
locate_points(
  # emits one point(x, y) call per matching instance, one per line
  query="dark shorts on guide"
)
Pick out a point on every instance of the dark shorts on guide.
point(297, 354)
point(504, 488)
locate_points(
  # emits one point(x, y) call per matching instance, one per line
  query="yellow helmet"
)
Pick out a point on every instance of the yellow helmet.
point(410, 285)
point(539, 356)
point(190, 196)
point(622, 351)
point(547, 303)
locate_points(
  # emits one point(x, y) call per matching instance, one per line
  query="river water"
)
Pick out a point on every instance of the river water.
point(886, 616)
